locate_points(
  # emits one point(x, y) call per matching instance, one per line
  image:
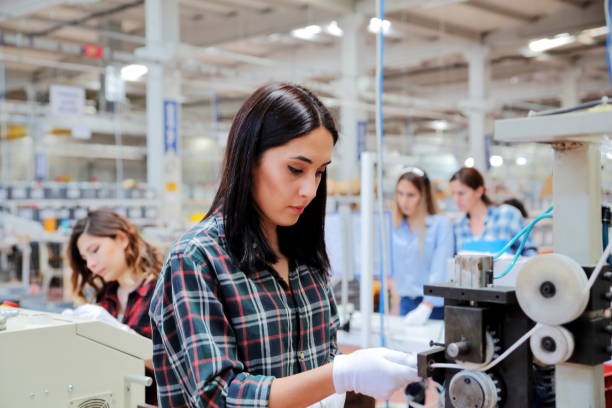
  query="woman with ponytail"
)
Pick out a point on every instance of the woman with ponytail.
point(422, 245)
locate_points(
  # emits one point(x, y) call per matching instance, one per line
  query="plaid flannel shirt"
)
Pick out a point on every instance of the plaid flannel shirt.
point(220, 336)
point(136, 314)
point(502, 222)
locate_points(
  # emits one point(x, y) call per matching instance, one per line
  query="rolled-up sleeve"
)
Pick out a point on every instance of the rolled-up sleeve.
point(194, 348)
point(443, 251)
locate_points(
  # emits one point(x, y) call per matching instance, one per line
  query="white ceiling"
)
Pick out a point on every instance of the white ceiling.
point(238, 44)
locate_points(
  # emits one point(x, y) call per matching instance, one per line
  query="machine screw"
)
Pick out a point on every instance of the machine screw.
point(548, 289)
point(608, 329)
point(467, 381)
point(454, 350)
point(433, 343)
point(70, 387)
point(548, 344)
point(608, 296)
point(607, 275)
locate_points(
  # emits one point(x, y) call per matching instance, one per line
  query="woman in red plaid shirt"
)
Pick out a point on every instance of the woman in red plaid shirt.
point(114, 272)
point(243, 313)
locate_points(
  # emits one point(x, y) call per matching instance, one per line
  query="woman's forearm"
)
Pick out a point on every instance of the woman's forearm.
point(302, 390)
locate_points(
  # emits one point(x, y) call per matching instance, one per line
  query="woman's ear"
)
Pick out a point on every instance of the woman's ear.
point(480, 191)
point(122, 240)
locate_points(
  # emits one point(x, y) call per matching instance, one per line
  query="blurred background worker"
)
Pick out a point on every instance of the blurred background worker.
point(486, 225)
point(114, 272)
point(422, 245)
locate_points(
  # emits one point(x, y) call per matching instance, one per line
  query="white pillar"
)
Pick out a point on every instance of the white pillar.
point(569, 87)
point(163, 107)
point(352, 45)
point(476, 109)
point(577, 198)
point(366, 295)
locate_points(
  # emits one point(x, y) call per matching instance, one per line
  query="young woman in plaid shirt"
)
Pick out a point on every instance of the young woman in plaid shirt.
point(114, 272)
point(243, 314)
point(485, 221)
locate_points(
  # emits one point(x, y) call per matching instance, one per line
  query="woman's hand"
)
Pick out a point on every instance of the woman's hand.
point(376, 372)
point(419, 315)
point(95, 312)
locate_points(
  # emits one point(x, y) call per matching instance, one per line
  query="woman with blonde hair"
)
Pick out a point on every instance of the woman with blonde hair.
point(114, 272)
point(422, 245)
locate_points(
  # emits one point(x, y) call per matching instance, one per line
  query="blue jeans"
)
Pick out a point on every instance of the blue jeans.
point(408, 304)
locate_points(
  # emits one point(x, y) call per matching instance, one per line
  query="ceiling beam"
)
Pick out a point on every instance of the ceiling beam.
point(245, 25)
point(501, 11)
point(82, 20)
point(259, 5)
point(335, 6)
point(207, 6)
point(11, 8)
point(563, 21)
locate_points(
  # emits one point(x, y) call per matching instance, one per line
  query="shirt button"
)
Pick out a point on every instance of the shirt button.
point(301, 355)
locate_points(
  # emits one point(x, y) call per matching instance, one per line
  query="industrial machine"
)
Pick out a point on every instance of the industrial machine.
point(49, 360)
point(542, 341)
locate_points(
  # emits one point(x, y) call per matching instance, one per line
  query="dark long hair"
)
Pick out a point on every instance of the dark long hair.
point(272, 116)
point(144, 258)
point(472, 178)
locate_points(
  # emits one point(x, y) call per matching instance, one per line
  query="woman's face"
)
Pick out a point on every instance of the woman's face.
point(286, 177)
point(465, 197)
point(408, 198)
point(104, 256)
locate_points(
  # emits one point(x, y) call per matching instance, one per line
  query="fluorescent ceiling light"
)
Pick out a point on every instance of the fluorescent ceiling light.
point(545, 44)
point(439, 125)
point(306, 33)
point(521, 161)
point(375, 25)
point(496, 161)
point(469, 162)
point(609, 156)
point(133, 72)
point(334, 29)
point(596, 32)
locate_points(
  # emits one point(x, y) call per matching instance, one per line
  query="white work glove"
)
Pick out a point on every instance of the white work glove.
point(376, 372)
point(418, 316)
point(95, 312)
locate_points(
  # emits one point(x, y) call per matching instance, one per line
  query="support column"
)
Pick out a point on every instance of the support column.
point(353, 128)
point(569, 87)
point(577, 198)
point(352, 45)
point(163, 108)
point(477, 105)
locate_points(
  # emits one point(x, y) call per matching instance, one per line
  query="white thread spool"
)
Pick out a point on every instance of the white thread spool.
point(552, 289)
point(552, 344)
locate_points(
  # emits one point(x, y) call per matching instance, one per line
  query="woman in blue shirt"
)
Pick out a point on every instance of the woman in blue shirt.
point(422, 245)
point(486, 226)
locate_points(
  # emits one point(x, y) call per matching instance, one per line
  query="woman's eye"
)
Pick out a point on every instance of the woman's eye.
point(95, 250)
point(320, 173)
point(294, 170)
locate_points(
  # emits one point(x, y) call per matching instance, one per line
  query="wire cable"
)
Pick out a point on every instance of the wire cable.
point(523, 231)
point(485, 366)
point(607, 13)
point(521, 246)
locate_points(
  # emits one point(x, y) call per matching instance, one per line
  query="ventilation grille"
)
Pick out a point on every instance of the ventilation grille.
point(94, 401)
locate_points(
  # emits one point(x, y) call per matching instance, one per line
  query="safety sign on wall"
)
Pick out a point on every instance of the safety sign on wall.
point(67, 100)
point(170, 126)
